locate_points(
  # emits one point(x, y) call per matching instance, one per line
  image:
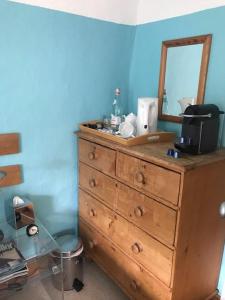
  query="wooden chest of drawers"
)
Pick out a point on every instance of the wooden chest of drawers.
point(151, 222)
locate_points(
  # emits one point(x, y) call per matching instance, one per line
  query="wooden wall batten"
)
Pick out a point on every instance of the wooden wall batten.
point(10, 175)
point(9, 143)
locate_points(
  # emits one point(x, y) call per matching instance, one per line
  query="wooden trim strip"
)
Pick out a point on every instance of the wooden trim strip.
point(9, 143)
point(204, 69)
point(200, 39)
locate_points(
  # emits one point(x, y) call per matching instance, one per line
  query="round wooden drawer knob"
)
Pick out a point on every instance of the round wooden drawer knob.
point(138, 212)
point(140, 177)
point(92, 183)
point(136, 248)
point(91, 155)
point(92, 244)
point(92, 213)
point(134, 285)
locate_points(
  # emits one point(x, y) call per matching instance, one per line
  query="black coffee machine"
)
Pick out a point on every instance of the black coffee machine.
point(200, 129)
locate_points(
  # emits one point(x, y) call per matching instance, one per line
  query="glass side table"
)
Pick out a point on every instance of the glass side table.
point(36, 253)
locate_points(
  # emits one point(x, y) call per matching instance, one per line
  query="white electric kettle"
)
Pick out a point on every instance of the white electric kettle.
point(147, 115)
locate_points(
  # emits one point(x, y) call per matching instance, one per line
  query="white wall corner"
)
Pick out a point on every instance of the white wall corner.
point(129, 12)
point(150, 11)
point(122, 12)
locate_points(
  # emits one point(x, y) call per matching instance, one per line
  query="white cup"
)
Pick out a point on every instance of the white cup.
point(126, 130)
point(132, 119)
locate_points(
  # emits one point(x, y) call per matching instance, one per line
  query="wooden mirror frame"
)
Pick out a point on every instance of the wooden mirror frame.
point(202, 39)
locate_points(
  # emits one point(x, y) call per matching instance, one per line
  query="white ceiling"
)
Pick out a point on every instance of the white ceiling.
point(154, 10)
point(118, 11)
point(131, 12)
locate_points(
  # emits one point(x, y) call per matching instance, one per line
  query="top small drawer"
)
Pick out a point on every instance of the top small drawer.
point(148, 177)
point(99, 157)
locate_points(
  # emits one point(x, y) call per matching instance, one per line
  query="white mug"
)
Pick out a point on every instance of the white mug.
point(132, 119)
point(185, 102)
point(126, 130)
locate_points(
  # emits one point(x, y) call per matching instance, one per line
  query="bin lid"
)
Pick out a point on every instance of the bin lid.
point(69, 244)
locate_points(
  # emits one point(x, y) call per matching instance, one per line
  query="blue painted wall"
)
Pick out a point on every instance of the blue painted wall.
point(146, 60)
point(56, 70)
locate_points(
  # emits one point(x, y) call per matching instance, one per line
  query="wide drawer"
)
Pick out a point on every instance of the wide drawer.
point(99, 157)
point(135, 281)
point(148, 214)
point(99, 184)
point(148, 177)
point(153, 255)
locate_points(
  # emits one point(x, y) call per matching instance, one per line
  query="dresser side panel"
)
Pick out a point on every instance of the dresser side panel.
point(201, 233)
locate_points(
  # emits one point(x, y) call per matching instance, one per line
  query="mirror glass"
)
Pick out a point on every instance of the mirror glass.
point(183, 74)
point(182, 78)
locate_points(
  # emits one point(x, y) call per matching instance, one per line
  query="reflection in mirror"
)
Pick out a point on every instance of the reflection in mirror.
point(183, 72)
point(182, 77)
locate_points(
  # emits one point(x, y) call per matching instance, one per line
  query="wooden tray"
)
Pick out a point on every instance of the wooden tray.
point(158, 136)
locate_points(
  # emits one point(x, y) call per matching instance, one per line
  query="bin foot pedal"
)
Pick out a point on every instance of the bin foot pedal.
point(78, 285)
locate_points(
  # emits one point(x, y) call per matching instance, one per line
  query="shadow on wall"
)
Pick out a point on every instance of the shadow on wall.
point(54, 221)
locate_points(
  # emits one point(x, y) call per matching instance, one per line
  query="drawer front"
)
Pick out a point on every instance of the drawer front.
point(151, 216)
point(148, 177)
point(94, 212)
point(135, 281)
point(98, 184)
point(147, 251)
point(99, 157)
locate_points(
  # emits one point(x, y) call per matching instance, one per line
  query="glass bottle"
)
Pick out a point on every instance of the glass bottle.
point(117, 111)
point(165, 103)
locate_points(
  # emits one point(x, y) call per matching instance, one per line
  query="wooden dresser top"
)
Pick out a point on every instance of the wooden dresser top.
point(157, 153)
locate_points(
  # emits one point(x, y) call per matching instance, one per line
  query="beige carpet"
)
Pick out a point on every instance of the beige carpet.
point(97, 287)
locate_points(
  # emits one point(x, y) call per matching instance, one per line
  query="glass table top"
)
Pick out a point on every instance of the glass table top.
point(24, 248)
point(29, 246)
point(34, 253)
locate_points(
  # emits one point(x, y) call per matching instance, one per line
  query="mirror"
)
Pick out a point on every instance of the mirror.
point(183, 72)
